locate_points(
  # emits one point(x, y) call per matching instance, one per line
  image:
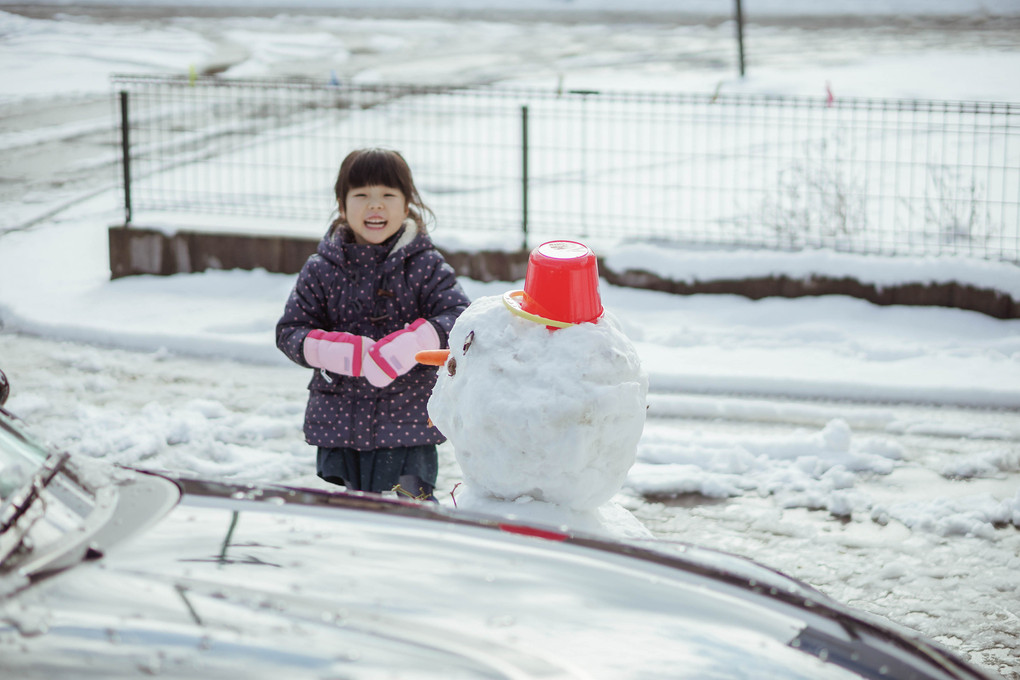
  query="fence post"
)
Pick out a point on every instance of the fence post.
point(524, 177)
point(740, 36)
point(125, 152)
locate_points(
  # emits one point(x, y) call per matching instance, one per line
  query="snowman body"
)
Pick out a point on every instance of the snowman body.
point(536, 414)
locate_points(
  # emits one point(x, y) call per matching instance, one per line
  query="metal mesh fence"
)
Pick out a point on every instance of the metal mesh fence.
point(897, 177)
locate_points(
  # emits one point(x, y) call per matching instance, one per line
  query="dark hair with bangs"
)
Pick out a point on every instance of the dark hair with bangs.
point(379, 167)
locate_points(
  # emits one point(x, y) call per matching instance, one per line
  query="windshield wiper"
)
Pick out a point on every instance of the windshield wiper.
point(21, 501)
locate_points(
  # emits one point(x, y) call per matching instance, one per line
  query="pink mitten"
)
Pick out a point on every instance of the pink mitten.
point(342, 353)
point(393, 355)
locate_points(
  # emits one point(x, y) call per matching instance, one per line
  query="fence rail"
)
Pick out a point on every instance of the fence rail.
point(896, 177)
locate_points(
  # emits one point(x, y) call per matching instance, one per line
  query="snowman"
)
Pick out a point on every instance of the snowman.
point(543, 398)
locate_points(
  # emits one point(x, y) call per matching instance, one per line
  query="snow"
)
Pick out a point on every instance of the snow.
point(691, 266)
point(705, 7)
point(873, 452)
point(555, 416)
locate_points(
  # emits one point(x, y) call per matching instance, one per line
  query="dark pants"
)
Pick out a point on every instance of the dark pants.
point(378, 470)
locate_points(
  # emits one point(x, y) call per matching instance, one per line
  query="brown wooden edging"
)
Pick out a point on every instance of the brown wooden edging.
point(137, 250)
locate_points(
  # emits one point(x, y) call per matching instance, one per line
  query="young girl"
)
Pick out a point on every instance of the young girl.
point(374, 294)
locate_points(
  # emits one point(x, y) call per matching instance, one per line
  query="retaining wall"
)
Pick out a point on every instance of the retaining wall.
point(137, 250)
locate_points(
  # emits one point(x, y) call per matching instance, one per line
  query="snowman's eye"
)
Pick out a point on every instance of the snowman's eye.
point(468, 340)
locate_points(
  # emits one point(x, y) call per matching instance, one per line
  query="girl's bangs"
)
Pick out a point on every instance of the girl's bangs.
point(375, 170)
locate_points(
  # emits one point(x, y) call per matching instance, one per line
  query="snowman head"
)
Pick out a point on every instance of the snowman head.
point(536, 411)
point(561, 289)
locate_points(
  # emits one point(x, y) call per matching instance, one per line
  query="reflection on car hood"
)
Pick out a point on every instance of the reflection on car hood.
point(283, 583)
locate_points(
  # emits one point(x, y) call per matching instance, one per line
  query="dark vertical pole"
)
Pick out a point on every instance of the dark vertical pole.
point(524, 177)
point(740, 36)
point(125, 151)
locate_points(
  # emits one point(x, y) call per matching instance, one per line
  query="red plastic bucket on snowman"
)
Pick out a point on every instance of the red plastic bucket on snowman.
point(561, 287)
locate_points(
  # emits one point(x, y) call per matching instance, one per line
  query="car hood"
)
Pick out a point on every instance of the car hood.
point(276, 582)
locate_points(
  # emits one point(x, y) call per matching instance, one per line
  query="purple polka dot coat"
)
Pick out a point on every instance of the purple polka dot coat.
point(370, 290)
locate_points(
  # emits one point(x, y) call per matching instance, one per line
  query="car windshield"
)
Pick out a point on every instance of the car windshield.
point(39, 505)
point(20, 459)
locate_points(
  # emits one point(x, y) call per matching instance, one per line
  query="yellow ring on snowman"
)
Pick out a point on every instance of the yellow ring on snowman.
point(511, 302)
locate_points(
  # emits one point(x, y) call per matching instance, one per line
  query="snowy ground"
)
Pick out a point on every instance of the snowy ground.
point(872, 452)
point(927, 554)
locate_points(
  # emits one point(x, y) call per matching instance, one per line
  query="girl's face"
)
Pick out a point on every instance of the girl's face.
point(374, 212)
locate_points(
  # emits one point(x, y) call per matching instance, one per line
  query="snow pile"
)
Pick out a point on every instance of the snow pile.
point(203, 437)
point(540, 415)
point(815, 470)
point(691, 265)
point(985, 464)
point(975, 515)
point(824, 470)
point(207, 432)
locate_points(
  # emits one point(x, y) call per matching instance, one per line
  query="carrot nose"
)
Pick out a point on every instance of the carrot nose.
point(432, 357)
